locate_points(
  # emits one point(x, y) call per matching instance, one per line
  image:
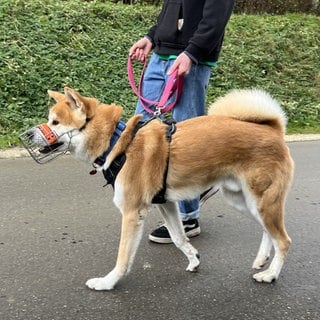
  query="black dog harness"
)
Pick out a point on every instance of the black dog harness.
point(99, 162)
point(110, 174)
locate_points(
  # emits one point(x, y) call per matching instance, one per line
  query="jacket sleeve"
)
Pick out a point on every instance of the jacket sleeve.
point(210, 31)
point(150, 34)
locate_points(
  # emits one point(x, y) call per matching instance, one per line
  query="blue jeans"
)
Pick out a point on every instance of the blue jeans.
point(191, 104)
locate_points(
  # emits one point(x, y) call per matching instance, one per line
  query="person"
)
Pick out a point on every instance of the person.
point(188, 36)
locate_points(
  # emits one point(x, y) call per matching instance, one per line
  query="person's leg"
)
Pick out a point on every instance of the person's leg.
point(193, 99)
point(191, 104)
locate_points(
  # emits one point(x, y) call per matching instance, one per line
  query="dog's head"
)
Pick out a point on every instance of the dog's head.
point(67, 118)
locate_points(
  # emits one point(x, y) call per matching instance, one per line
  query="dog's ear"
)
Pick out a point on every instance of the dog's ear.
point(57, 96)
point(74, 98)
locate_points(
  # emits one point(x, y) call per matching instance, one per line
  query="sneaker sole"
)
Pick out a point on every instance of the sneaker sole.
point(193, 233)
point(190, 234)
point(207, 194)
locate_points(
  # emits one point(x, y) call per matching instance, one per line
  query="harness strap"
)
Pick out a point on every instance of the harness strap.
point(116, 135)
point(160, 197)
point(116, 165)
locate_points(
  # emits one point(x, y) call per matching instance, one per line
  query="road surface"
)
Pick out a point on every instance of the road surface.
point(59, 227)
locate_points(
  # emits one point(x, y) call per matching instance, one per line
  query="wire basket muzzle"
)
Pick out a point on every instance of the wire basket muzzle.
point(42, 143)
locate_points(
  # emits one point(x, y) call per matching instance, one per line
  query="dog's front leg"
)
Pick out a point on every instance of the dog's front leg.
point(131, 232)
point(173, 222)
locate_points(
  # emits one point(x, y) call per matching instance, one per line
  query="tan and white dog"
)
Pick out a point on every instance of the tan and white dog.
point(239, 147)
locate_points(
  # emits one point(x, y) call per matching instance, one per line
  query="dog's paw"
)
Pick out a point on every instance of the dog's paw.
point(106, 283)
point(265, 276)
point(99, 284)
point(194, 264)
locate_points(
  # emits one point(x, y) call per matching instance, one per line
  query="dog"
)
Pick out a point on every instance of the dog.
point(238, 147)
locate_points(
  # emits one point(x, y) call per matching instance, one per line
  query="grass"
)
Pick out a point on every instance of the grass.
point(51, 44)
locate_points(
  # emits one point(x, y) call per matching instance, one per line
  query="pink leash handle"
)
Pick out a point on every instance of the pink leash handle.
point(173, 86)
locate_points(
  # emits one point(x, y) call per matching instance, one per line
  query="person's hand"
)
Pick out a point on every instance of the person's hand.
point(183, 63)
point(140, 50)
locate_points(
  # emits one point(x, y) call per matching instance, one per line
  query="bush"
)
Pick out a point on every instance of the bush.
point(51, 44)
point(255, 6)
point(277, 6)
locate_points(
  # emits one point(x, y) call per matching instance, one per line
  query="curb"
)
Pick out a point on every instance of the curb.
point(21, 152)
point(13, 153)
point(302, 137)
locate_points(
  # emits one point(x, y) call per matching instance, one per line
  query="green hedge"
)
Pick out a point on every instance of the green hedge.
point(254, 6)
point(277, 6)
point(51, 44)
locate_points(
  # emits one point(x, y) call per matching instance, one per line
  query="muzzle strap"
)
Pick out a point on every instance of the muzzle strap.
point(49, 135)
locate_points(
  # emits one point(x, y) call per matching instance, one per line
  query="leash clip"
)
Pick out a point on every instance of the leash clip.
point(157, 112)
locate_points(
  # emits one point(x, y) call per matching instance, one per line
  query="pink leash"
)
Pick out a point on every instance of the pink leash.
point(173, 86)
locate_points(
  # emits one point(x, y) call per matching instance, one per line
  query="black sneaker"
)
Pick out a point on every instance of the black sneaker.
point(161, 234)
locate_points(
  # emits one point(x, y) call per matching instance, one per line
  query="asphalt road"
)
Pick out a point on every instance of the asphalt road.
point(59, 227)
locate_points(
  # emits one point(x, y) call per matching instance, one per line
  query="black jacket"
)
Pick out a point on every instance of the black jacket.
point(200, 32)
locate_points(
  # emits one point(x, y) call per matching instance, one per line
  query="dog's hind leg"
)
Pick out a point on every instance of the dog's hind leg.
point(272, 214)
point(169, 211)
point(131, 232)
point(269, 212)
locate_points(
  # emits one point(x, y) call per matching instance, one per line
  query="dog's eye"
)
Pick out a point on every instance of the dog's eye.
point(55, 122)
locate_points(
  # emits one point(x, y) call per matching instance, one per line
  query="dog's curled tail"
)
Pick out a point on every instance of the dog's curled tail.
point(251, 105)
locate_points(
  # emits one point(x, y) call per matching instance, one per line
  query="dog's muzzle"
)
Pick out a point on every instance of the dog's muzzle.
point(42, 143)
